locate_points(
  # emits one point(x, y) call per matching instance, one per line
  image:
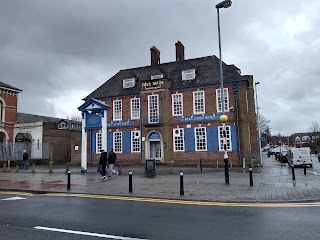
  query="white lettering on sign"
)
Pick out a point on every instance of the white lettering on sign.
point(153, 83)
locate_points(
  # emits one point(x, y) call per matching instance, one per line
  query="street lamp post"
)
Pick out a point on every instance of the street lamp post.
point(258, 122)
point(223, 117)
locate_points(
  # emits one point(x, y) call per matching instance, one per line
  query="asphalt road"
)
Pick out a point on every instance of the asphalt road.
point(54, 217)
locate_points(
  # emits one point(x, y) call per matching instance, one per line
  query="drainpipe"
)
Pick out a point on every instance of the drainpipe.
point(140, 103)
point(236, 91)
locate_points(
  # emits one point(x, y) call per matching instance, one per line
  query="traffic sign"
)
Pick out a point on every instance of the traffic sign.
point(261, 139)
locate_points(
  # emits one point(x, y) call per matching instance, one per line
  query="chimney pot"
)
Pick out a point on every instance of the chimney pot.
point(155, 56)
point(179, 51)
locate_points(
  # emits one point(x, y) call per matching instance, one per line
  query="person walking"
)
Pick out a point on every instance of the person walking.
point(103, 163)
point(316, 152)
point(111, 161)
point(25, 159)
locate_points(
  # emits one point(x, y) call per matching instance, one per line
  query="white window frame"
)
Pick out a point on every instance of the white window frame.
point(117, 110)
point(228, 138)
point(135, 108)
point(152, 118)
point(129, 83)
point(117, 145)
point(194, 102)
point(98, 142)
point(135, 141)
point(226, 99)
point(188, 74)
point(157, 76)
point(175, 104)
point(63, 125)
point(178, 137)
point(198, 137)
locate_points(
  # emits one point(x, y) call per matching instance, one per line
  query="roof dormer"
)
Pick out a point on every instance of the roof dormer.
point(129, 82)
point(189, 74)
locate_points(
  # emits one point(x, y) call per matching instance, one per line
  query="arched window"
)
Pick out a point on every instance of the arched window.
point(1, 111)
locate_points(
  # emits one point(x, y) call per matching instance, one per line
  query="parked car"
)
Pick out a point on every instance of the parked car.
point(281, 156)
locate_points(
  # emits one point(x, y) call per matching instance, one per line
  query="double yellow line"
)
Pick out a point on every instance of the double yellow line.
point(170, 201)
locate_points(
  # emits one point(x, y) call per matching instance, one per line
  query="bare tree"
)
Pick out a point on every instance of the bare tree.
point(75, 116)
point(264, 123)
point(315, 127)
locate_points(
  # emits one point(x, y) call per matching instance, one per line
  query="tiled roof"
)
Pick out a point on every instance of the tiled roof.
point(9, 87)
point(29, 118)
point(207, 72)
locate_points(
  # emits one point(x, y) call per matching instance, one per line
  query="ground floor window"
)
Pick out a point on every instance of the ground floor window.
point(135, 141)
point(228, 138)
point(178, 141)
point(117, 142)
point(201, 139)
point(99, 142)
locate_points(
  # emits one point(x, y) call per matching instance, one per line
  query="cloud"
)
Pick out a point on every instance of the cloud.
point(59, 51)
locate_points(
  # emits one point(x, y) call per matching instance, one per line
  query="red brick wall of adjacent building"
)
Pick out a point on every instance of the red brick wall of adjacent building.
point(10, 113)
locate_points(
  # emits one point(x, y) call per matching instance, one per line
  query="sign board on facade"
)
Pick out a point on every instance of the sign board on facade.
point(261, 139)
point(121, 124)
point(200, 118)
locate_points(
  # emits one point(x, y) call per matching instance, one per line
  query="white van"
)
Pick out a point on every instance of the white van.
point(299, 156)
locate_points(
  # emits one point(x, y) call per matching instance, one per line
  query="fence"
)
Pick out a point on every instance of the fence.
point(14, 151)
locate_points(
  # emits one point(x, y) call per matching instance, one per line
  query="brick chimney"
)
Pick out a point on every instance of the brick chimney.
point(179, 51)
point(155, 56)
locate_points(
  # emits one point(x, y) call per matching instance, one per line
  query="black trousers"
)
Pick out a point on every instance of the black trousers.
point(103, 170)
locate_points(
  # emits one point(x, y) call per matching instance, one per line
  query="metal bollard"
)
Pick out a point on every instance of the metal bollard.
point(293, 174)
point(17, 168)
point(251, 180)
point(217, 164)
point(181, 184)
point(69, 180)
point(4, 167)
point(50, 166)
point(119, 169)
point(130, 181)
point(305, 169)
point(33, 168)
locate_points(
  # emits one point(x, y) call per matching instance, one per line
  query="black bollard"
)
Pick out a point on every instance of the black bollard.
point(201, 159)
point(251, 180)
point(181, 184)
point(130, 181)
point(226, 170)
point(305, 169)
point(293, 175)
point(69, 180)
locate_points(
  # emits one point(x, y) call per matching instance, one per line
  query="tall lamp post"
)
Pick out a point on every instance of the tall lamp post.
point(223, 117)
point(258, 122)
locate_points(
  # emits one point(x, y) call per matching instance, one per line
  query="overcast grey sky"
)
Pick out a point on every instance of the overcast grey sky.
point(59, 51)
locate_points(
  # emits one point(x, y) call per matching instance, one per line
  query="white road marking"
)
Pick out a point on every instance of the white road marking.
point(87, 233)
point(13, 198)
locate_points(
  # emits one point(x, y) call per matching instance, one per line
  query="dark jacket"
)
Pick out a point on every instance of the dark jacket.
point(103, 158)
point(25, 156)
point(112, 157)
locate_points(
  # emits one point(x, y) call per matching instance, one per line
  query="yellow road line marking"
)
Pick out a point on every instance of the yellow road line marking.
point(170, 201)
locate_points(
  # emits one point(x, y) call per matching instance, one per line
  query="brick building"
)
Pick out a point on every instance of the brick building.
point(8, 111)
point(170, 112)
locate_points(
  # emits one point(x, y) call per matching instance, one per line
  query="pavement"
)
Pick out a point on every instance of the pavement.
point(271, 183)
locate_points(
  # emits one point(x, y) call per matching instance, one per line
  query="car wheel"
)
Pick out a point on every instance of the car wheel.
point(311, 165)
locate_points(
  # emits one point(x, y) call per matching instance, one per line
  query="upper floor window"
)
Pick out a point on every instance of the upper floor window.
point(135, 108)
point(228, 138)
point(117, 110)
point(198, 102)
point(177, 106)
point(1, 111)
point(129, 83)
point(178, 140)
point(153, 109)
point(63, 125)
point(225, 102)
point(201, 139)
point(188, 74)
point(158, 76)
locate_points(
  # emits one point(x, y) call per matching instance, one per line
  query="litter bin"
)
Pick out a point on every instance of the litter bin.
point(150, 168)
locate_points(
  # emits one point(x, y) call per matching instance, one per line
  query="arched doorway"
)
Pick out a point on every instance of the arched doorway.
point(154, 146)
